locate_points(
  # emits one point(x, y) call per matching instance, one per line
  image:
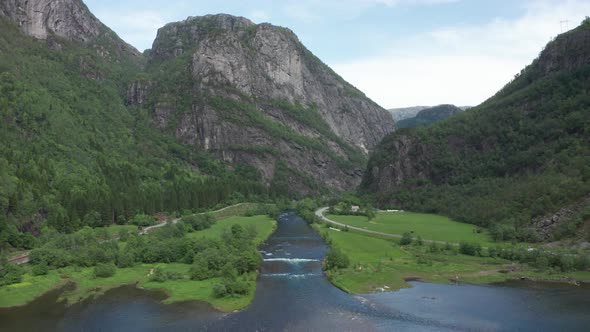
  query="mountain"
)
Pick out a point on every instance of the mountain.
point(219, 110)
point(67, 19)
point(399, 114)
point(518, 163)
point(429, 116)
point(254, 94)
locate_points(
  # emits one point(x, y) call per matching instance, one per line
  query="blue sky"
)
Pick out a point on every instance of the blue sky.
point(399, 52)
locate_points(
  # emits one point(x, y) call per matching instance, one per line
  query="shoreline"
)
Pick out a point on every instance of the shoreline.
point(86, 287)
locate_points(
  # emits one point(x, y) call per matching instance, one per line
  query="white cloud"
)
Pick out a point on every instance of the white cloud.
point(460, 64)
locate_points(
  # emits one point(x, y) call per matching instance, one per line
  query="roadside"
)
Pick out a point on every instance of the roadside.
point(23, 258)
point(320, 214)
point(379, 263)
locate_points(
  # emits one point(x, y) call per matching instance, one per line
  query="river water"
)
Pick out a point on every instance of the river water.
point(293, 295)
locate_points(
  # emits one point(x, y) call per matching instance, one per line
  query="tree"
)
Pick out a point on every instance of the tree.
point(200, 269)
point(336, 259)
point(9, 273)
point(40, 269)
point(102, 270)
point(406, 239)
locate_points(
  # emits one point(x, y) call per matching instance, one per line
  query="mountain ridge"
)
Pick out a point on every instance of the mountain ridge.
point(94, 132)
point(518, 157)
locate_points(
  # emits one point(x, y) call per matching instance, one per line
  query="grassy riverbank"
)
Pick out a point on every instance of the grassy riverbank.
point(378, 264)
point(180, 289)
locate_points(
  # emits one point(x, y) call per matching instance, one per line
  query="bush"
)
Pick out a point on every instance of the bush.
point(143, 220)
point(219, 290)
point(125, 259)
point(406, 239)
point(102, 270)
point(336, 259)
point(471, 249)
point(9, 273)
point(199, 222)
point(158, 275)
point(200, 269)
point(492, 252)
point(40, 270)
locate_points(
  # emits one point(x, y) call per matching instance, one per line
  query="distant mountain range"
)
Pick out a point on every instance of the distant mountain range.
point(429, 116)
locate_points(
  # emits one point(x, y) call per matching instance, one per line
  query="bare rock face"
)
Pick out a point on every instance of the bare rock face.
point(69, 19)
point(546, 225)
point(65, 18)
point(269, 62)
point(257, 71)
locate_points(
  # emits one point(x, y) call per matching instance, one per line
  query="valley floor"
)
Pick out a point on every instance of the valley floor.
point(379, 263)
point(184, 289)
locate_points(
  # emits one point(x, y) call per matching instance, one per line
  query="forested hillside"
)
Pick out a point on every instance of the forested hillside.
point(519, 163)
point(220, 110)
point(73, 154)
point(429, 116)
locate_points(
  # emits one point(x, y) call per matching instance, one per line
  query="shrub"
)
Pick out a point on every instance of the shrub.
point(158, 275)
point(40, 270)
point(406, 239)
point(467, 249)
point(143, 220)
point(9, 273)
point(103, 270)
point(125, 259)
point(219, 290)
point(200, 269)
point(336, 259)
point(199, 222)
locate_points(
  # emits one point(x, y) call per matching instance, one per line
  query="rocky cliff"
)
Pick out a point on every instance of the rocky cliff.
point(245, 93)
point(254, 94)
point(405, 112)
point(69, 19)
point(518, 157)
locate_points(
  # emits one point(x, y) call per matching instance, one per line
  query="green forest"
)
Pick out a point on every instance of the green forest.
point(522, 154)
point(73, 154)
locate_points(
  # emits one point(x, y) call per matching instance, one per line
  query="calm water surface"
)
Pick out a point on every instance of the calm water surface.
point(293, 295)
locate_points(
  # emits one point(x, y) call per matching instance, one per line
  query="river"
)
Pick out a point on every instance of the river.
point(293, 295)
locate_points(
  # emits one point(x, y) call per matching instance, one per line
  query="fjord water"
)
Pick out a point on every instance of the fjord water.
point(293, 295)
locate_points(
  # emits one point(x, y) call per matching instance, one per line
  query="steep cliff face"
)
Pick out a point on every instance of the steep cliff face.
point(253, 93)
point(69, 19)
point(521, 155)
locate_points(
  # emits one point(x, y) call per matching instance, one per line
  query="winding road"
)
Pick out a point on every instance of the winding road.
point(320, 214)
point(24, 257)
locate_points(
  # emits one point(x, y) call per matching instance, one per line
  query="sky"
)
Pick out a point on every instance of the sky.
point(398, 52)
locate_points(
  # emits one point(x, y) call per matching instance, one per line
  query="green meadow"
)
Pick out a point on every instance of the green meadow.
point(378, 263)
point(428, 226)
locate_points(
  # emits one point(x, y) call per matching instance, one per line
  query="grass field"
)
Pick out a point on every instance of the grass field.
point(428, 226)
point(178, 290)
point(264, 227)
point(377, 262)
